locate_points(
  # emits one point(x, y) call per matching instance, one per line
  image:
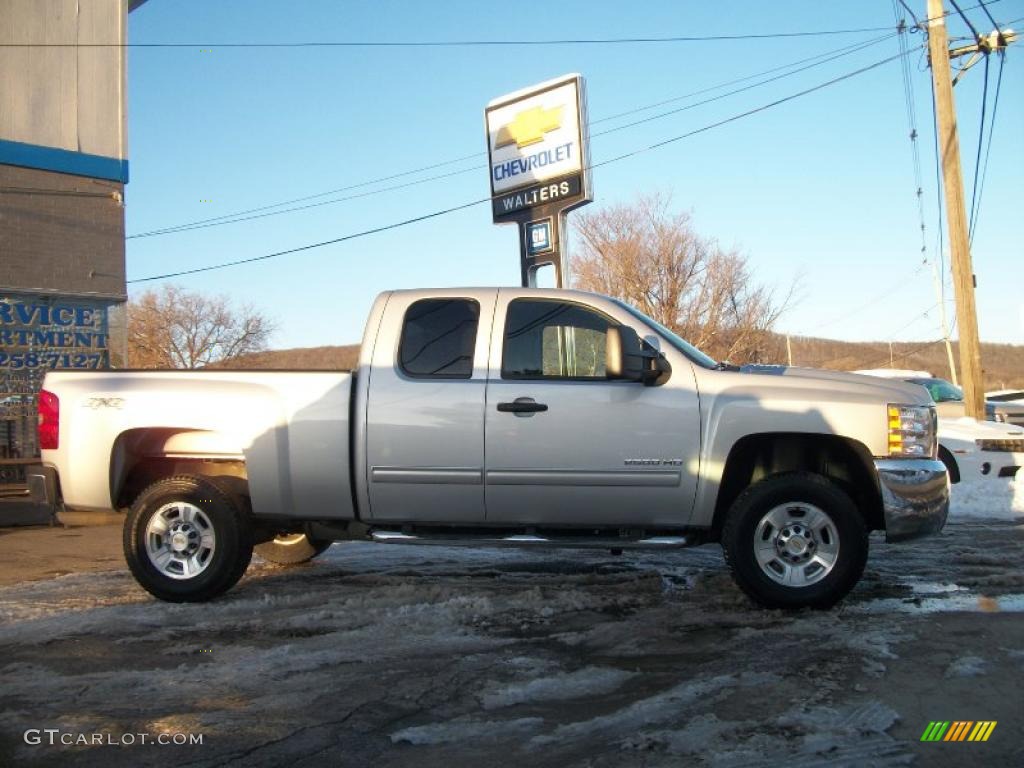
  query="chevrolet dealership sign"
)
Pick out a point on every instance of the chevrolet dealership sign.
point(536, 141)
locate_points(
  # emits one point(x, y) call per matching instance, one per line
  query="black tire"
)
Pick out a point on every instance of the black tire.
point(797, 488)
point(223, 564)
point(292, 549)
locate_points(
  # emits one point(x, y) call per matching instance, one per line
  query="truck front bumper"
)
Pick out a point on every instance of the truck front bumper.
point(915, 496)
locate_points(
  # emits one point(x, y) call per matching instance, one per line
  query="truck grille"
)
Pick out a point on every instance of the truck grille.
point(1008, 445)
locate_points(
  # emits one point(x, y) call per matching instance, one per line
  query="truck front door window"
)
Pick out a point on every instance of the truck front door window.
point(551, 339)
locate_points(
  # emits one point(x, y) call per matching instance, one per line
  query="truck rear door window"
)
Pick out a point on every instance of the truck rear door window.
point(438, 337)
point(553, 340)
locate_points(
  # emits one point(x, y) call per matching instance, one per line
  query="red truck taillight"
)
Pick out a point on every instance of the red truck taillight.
point(49, 420)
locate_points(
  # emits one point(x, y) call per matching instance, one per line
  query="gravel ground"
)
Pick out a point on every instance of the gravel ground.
point(392, 656)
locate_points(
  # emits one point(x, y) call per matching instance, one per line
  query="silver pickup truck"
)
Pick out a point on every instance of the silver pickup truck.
point(499, 417)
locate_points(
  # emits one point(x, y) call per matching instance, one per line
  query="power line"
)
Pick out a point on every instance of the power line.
point(910, 104)
point(762, 108)
point(311, 246)
point(660, 115)
point(911, 12)
point(478, 43)
point(995, 24)
point(907, 354)
point(453, 209)
point(977, 158)
point(370, 182)
point(967, 21)
point(267, 210)
point(913, 320)
point(461, 43)
point(976, 212)
point(898, 286)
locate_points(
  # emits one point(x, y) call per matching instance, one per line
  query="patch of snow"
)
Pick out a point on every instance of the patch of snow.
point(988, 498)
point(655, 709)
point(967, 666)
point(959, 603)
point(465, 729)
point(590, 681)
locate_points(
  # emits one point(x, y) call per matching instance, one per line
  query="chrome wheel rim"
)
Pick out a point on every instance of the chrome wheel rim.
point(180, 540)
point(796, 544)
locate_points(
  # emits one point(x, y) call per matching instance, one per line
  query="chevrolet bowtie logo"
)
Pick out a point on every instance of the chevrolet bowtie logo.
point(529, 127)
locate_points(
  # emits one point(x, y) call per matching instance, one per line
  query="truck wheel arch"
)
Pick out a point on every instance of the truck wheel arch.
point(140, 457)
point(845, 461)
point(946, 457)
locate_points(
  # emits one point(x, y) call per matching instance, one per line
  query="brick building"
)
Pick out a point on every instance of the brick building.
point(63, 169)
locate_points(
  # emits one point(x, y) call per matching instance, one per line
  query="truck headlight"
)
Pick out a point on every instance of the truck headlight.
point(912, 430)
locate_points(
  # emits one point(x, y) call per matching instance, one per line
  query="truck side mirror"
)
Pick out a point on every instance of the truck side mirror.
point(626, 358)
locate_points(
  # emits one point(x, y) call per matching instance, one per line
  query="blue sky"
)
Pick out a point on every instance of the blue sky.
point(819, 189)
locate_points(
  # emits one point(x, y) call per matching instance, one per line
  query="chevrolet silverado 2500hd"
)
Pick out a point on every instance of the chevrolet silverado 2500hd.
point(499, 416)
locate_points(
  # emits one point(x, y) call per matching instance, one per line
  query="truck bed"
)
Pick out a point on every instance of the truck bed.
point(291, 428)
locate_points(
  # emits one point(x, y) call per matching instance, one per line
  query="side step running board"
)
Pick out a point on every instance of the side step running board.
point(529, 540)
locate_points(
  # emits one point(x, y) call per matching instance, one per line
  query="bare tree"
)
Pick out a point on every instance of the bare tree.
point(653, 259)
point(175, 328)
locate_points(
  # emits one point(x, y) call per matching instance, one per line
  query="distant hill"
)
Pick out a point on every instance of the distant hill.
point(1003, 363)
point(301, 358)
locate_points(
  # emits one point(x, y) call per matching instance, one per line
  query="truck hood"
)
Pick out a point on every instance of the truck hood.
point(841, 383)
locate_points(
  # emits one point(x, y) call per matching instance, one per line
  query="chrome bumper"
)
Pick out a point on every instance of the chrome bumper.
point(915, 496)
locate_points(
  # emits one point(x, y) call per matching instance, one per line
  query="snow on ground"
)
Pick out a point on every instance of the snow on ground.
point(988, 497)
point(399, 655)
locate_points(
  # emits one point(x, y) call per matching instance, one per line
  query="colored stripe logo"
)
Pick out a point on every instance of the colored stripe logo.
point(958, 730)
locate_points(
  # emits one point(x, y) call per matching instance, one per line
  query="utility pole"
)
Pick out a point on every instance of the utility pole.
point(956, 214)
point(789, 351)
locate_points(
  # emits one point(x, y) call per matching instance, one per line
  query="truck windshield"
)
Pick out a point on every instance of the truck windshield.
point(676, 341)
point(940, 389)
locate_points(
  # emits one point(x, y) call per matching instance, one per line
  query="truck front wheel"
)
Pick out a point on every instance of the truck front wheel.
point(795, 540)
point(186, 540)
point(291, 549)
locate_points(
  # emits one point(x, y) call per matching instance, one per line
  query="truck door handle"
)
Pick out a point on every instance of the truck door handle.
point(524, 405)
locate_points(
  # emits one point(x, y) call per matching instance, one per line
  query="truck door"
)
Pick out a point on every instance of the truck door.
point(425, 407)
point(565, 445)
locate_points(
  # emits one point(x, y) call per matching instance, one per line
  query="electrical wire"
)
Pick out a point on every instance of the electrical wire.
point(898, 286)
point(246, 215)
point(915, 319)
point(907, 354)
point(981, 145)
point(967, 21)
point(353, 236)
point(975, 213)
point(480, 43)
point(911, 12)
point(995, 24)
point(911, 108)
point(435, 214)
point(463, 43)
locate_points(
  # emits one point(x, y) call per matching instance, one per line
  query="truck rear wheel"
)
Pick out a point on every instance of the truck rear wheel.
point(795, 540)
point(186, 540)
point(292, 549)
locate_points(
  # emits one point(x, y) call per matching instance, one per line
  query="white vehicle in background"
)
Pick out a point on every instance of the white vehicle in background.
point(1015, 396)
point(973, 449)
point(970, 449)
